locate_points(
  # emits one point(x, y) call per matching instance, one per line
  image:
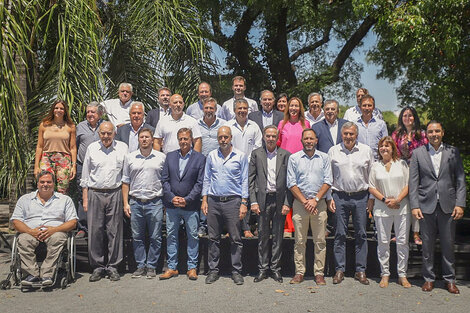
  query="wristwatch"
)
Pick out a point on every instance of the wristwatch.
point(244, 203)
point(316, 199)
point(383, 199)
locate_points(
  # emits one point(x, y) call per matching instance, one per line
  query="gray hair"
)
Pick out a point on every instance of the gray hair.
point(349, 125)
point(266, 91)
point(329, 101)
point(211, 100)
point(315, 94)
point(125, 85)
point(241, 100)
point(97, 105)
point(270, 127)
point(137, 103)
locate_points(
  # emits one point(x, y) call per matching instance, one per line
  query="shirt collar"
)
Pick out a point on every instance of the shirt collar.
point(187, 154)
point(97, 124)
point(355, 148)
point(331, 125)
point(203, 124)
point(127, 104)
point(441, 147)
point(182, 118)
point(152, 154)
point(136, 131)
point(266, 114)
point(305, 155)
point(111, 147)
point(54, 196)
point(271, 154)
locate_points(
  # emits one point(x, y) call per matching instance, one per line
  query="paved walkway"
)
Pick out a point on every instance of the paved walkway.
point(181, 295)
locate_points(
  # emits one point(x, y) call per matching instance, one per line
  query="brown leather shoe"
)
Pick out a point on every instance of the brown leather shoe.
point(298, 278)
point(361, 277)
point(192, 275)
point(428, 286)
point(319, 280)
point(338, 278)
point(169, 273)
point(452, 288)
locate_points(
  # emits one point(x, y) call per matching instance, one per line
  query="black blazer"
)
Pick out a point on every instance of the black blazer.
point(325, 141)
point(189, 185)
point(257, 178)
point(257, 117)
point(153, 116)
point(123, 132)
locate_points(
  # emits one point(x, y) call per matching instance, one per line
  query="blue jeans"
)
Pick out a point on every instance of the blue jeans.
point(148, 215)
point(191, 222)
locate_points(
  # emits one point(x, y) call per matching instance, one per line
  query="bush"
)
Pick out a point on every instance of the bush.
point(466, 166)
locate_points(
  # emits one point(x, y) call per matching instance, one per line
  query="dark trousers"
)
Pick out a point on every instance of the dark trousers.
point(81, 214)
point(105, 212)
point(357, 206)
point(224, 214)
point(271, 221)
point(430, 225)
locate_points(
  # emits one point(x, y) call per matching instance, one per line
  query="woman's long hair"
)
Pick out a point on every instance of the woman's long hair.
point(50, 115)
point(401, 129)
point(301, 112)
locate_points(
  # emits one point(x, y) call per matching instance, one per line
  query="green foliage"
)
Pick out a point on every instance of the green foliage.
point(466, 166)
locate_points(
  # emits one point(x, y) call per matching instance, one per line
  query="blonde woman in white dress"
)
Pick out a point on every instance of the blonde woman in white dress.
point(388, 183)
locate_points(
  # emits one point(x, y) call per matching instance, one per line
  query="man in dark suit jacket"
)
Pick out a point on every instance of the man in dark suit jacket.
point(437, 198)
point(128, 133)
point(270, 199)
point(267, 116)
point(153, 116)
point(330, 123)
point(182, 177)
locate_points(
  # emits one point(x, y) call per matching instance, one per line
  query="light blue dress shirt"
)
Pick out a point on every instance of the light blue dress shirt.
point(372, 133)
point(226, 176)
point(209, 135)
point(309, 174)
point(56, 211)
point(183, 160)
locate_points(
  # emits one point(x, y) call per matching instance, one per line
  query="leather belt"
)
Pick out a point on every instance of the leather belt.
point(355, 193)
point(224, 198)
point(142, 200)
point(105, 190)
point(271, 194)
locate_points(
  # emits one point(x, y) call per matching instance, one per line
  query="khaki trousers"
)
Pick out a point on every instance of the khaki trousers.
point(302, 220)
point(27, 245)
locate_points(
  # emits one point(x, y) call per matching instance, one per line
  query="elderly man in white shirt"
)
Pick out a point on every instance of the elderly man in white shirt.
point(117, 110)
point(351, 162)
point(238, 87)
point(315, 113)
point(102, 200)
point(166, 139)
point(142, 195)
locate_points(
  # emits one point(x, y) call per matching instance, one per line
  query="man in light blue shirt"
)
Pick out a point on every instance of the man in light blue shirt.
point(371, 129)
point(42, 216)
point(309, 178)
point(225, 194)
point(196, 110)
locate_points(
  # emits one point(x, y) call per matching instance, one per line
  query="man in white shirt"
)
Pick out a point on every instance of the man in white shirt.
point(142, 196)
point(195, 110)
point(351, 162)
point(238, 87)
point(352, 114)
point(165, 137)
point(102, 200)
point(246, 137)
point(315, 113)
point(117, 110)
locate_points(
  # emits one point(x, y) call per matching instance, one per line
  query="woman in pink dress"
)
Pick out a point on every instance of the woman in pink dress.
point(409, 136)
point(290, 135)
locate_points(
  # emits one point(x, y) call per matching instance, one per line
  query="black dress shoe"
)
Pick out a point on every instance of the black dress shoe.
point(212, 277)
point(261, 276)
point(96, 275)
point(113, 275)
point(237, 278)
point(277, 276)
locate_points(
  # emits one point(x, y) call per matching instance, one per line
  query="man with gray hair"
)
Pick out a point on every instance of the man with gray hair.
point(351, 162)
point(102, 200)
point(117, 110)
point(270, 200)
point(315, 113)
point(87, 132)
point(267, 116)
point(129, 133)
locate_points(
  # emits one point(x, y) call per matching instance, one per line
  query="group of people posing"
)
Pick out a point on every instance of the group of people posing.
point(219, 170)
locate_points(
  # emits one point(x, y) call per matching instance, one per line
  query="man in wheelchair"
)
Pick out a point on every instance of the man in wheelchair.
point(42, 216)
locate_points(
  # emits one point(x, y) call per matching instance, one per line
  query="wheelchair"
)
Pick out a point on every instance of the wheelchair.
point(64, 272)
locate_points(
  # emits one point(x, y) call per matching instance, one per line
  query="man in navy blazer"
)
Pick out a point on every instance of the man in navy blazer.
point(267, 116)
point(129, 133)
point(328, 130)
point(437, 195)
point(182, 177)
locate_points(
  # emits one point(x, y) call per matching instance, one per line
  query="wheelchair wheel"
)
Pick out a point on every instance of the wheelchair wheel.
point(71, 259)
point(15, 265)
point(64, 282)
point(6, 284)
